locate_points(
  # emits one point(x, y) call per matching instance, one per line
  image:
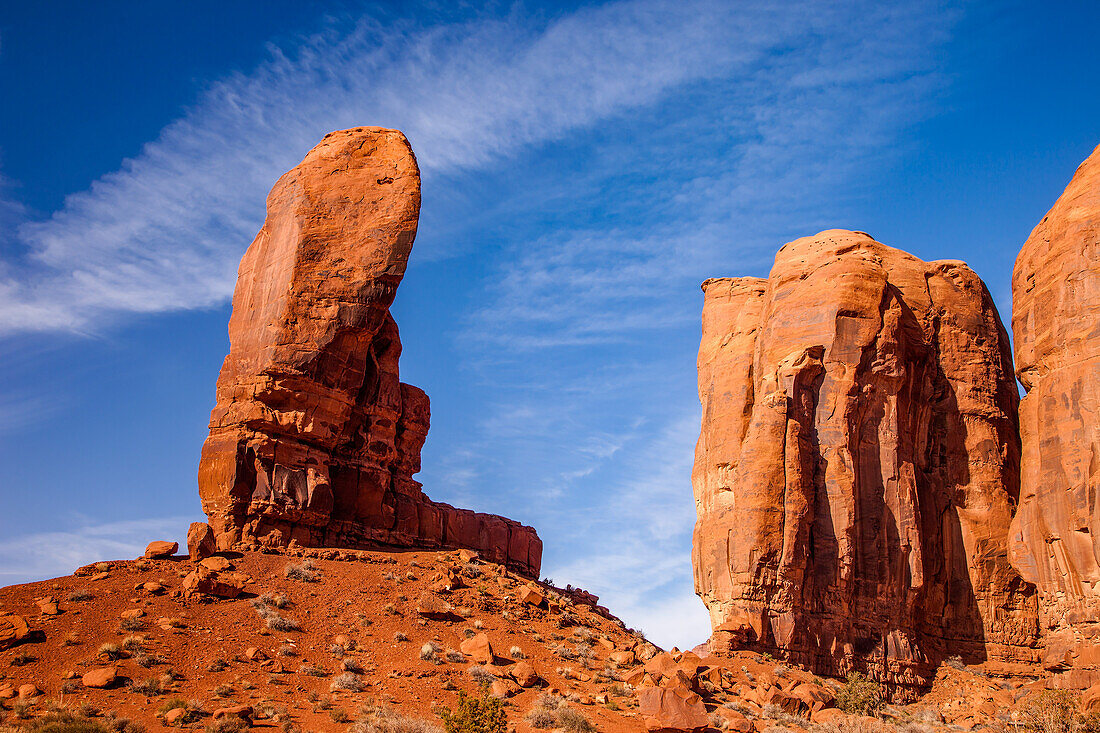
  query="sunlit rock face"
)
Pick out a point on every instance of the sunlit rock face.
point(857, 466)
point(1056, 328)
point(315, 439)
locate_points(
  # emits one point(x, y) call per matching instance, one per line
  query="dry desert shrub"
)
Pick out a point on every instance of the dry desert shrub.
point(132, 644)
point(278, 600)
point(151, 687)
point(777, 713)
point(430, 651)
point(481, 675)
point(377, 719)
point(265, 607)
point(122, 725)
point(347, 681)
point(192, 710)
point(1056, 711)
point(63, 721)
point(227, 725)
point(854, 724)
point(131, 624)
point(146, 660)
point(110, 650)
point(304, 571)
point(550, 711)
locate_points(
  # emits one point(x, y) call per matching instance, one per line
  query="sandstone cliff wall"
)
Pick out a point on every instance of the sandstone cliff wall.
point(314, 438)
point(857, 466)
point(1055, 538)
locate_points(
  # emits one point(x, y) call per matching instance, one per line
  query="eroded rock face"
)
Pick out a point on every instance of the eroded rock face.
point(856, 470)
point(314, 438)
point(1055, 538)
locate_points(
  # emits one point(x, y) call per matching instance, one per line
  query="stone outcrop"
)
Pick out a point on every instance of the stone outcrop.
point(1055, 537)
point(857, 467)
point(314, 438)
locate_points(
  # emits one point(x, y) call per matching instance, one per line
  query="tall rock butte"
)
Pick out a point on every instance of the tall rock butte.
point(1055, 538)
point(857, 466)
point(314, 439)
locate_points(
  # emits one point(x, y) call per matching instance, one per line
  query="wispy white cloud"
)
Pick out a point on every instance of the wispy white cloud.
point(52, 554)
point(165, 231)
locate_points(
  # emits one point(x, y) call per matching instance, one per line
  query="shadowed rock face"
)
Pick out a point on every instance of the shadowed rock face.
point(314, 438)
point(1056, 324)
point(857, 466)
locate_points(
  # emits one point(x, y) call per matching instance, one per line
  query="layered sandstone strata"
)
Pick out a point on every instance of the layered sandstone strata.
point(314, 438)
point(856, 471)
point(1055, 539)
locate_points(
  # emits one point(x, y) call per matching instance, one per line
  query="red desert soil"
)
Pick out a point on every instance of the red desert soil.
point(374, 611)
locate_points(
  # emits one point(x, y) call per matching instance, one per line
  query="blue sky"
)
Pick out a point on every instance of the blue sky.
point(586, 166)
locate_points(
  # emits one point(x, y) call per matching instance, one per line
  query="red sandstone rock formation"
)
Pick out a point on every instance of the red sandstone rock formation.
point(314, 438)
point(1055, 538)
point(856, 470)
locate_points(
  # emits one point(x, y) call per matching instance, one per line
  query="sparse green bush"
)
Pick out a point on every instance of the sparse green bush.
point(859, 696)
point(481, 714)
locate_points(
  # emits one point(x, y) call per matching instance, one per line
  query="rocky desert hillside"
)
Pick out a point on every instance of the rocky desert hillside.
point(315, 640)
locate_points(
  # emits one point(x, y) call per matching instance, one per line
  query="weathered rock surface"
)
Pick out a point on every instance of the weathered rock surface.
point(314, 438)
point(161, 550)
point(100, 678)
point(201, 542)
point(1055, 537)
point(1056, 325)
point(13, 629)
point(856, 471)
point(672, 709)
